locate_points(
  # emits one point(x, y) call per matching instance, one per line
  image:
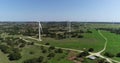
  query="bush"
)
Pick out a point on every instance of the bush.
point(22, 45)
point(88, 31)
point(41, 47)
point(5, 49)
point(118, 55)
point(31, 52)
point(47, 43)
point(80, 36)
point(51, 48)
point(40, 59)
point(44, 51)
point(15, 50)
point(90, 49)
point(58, 51)
point(101, 61)
point(34, 60)
point(14, 56)
point(109, 54)
point(51, 55)
point(85, 53)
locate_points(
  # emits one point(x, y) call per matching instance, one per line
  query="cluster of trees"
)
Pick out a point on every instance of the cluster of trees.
point(14, 56)
point(108, 54)
point(64, 35)
point(13, 53)
point(49, 30)
point(35, 60)
point(90, 49)
point(14, 42)
point(83, 54)
point(100, 60)
point(116, 31)
point(50, 53)
point(12, 47)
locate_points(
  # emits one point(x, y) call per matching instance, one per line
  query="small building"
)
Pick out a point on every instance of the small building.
point(92, 57)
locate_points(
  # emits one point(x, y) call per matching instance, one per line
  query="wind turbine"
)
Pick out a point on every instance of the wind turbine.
point(69, 27)
point(40, 29)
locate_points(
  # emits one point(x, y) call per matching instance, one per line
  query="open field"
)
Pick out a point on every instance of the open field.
point(113, 45)
point(82, 38)
point(93, 40)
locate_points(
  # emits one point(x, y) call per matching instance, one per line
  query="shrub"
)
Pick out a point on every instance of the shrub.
point(80, 36)
point(14, 56)
point(22, 45)
point(51, 48)
point(34, 60)
point(5, 49)
point(51, 55)
point(108, 54)
point(90, 49)
point(40, 59)
point(118, 55)
point(47, 43)
point(31, 52)
point(44, 51)
point(85, 53)
point(59, 51)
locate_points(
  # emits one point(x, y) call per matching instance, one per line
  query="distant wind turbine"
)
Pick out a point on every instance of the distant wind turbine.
point(69, 28)
point(40, 29)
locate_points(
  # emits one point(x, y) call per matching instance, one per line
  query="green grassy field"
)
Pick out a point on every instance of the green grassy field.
point(90, 40)
point(113, 45)
point(3, 58)
point(37, 52)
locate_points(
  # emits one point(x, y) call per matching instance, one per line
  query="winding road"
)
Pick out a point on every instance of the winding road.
point(98, 54)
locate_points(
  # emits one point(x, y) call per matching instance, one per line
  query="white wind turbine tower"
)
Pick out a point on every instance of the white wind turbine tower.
point(113, 23)
point(40, 29)
point(69, 27)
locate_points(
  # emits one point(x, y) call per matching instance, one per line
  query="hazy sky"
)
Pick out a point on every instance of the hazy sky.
point(57, 10)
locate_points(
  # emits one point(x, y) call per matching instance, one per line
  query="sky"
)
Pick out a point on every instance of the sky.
point(60, 10)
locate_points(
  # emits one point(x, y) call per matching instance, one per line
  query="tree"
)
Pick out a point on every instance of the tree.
point(14, 56)
point(80, 36)
point(44, 51)
point(5, 49)
point(41, 47)
point(85, 53)
point(59, 51)
point(90, 49)
point(101, 61)
point(15, 50)
point(109, 54)
point(118, 55)
point(34, 60)
point(40, 59)
point(51, 48)
point(88, 31)
point(47, 43)
point(31, 52)
point(22, 45)
point(51, 55)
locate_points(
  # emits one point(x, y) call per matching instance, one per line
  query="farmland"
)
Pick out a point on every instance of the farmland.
point(23, 37)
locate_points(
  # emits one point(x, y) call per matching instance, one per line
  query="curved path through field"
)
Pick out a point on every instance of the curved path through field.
point(38, 44)
point(99, 53)
point(106, 41)
point(91, 54)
